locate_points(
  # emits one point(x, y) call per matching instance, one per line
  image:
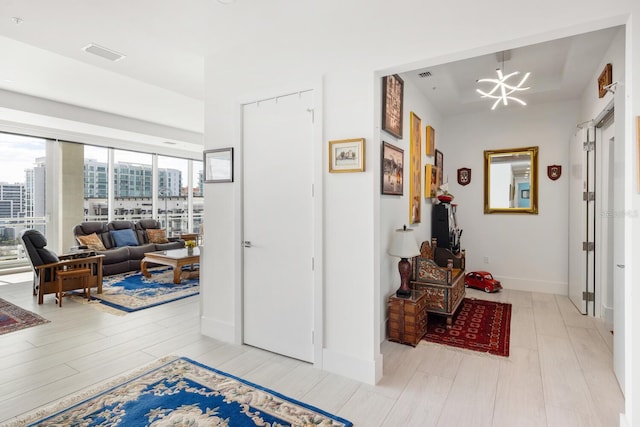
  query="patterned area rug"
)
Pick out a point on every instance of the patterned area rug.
point(132, 291)
point(179, 392)
point(479, 325)
point(14, 318)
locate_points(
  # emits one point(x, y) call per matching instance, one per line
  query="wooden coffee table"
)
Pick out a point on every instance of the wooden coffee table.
point(176, 258)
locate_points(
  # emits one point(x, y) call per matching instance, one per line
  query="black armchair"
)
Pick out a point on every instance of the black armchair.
point(53, 274)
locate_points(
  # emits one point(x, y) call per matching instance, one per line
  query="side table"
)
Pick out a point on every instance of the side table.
point(407, 318)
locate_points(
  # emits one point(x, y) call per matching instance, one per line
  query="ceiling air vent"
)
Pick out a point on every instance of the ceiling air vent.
point(103, 52)
point(425, 74)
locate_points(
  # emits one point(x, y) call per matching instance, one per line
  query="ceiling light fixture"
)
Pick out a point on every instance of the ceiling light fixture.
point(226, 1)
point(17, 20)
point(503, 89)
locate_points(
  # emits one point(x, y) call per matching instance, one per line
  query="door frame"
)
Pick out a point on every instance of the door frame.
point(605, 118)
point(319, 165)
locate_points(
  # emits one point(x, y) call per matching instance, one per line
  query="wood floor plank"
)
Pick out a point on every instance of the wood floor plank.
point(520, 396)
point(471, 399)
point(421, 402)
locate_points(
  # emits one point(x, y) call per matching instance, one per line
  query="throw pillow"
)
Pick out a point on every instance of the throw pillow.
point(157, 235)
point(92, 241)
point(125, 237)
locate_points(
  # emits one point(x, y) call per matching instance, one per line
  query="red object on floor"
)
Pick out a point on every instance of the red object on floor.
point(479, 325)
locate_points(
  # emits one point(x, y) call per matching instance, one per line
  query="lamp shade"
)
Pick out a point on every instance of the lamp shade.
point(403, 244)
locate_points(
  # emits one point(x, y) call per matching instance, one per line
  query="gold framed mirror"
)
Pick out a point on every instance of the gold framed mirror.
point(511, 180)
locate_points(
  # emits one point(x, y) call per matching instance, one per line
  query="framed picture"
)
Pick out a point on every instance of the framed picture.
point(439, 162)
point(524, 194)
point(430, 141)
point(346, 155)
point(218, 165)
point(392, 169)
point(431, 179)
point(392, 100)
point(605, 79)
point(415, 172)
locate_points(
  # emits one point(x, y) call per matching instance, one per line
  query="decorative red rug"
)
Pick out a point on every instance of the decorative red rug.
point(14, 318)
point(479, 325)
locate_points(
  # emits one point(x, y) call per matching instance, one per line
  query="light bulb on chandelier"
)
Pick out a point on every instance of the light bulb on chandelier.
point(503, 91)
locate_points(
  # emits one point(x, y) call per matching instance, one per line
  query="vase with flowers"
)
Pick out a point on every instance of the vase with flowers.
point(190, 244)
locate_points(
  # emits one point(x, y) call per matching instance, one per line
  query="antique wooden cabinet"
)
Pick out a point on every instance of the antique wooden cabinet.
point(407, 318)
point(443, 286)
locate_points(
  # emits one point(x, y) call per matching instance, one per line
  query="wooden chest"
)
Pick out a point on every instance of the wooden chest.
point(407, 318)
point(443, 297)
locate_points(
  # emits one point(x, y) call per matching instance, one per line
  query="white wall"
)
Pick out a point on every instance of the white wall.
point(527, 252)
point(282, 42)
point(394, 210)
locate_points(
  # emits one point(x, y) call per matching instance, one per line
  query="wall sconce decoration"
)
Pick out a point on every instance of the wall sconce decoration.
point(604, 80)
point(554, 172)
point(464, 176)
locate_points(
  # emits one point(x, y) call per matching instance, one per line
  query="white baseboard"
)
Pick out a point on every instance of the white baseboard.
point(216, 329)
point(366, 371)
point(531, 285)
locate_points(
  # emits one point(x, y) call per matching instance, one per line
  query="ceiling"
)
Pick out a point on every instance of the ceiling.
point(560, 70)
point(161, 79)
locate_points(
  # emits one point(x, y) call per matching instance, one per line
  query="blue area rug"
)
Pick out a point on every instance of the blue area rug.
point(179, 392)
point(132, 292)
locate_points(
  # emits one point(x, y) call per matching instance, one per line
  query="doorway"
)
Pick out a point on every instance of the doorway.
point(278, 232)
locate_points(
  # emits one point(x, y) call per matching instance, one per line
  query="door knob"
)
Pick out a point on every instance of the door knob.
point(246, 244)
point(620, 265)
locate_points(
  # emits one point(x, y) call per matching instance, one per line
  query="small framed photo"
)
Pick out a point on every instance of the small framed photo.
point(218, 165)
point(439, 163)
point(346, 155)
point(392, 169)
point(392, 104)
point(430, 141)
point(524, 194)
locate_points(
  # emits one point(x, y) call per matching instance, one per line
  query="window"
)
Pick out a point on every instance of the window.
point(173, 194)
point(96, 183)
point(22, 193)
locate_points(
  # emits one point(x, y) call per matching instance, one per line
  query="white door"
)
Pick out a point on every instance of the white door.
point(278, 225)
point(582, 221)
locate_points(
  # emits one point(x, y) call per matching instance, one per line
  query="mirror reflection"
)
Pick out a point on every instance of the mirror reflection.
point(510, 180)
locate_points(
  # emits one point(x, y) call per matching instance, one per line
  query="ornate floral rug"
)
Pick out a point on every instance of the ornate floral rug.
point(132, 291)
point(14, 318)
point(479, 325)
point(179, 392)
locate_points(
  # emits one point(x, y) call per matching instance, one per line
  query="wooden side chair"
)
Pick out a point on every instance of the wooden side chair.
point(56, 275)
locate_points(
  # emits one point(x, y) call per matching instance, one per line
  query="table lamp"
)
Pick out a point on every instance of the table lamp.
point(403, 245)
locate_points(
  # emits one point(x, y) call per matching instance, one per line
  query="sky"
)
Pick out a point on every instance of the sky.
point(18, 153)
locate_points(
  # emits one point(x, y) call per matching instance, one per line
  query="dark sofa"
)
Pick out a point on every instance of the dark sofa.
point(124, 258)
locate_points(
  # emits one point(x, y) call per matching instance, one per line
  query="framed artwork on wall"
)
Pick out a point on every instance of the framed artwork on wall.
point(605, 79)
point(392, 166)
point(431, 179)
point(439, 162)
point(392, 104)
point(218, 165)
point(430, 140)
point(415, 172)
point(346, 155)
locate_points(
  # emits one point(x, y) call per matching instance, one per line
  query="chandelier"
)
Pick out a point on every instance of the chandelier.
point(503, 90)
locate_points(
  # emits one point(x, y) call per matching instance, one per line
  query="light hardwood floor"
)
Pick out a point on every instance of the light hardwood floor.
point(558, 374)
